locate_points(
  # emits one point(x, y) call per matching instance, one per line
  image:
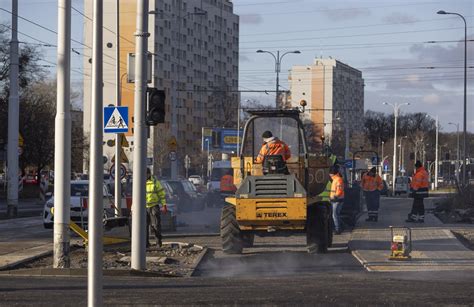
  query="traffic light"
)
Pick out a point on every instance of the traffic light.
point(156, 107)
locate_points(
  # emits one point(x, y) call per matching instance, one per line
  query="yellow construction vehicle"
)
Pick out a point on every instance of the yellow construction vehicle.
point(277, 197)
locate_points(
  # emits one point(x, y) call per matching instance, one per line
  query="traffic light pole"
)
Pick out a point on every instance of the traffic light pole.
point(140, 139)
point(96, 181)
point(62, 137)
point(13, 119)
point(118, 145)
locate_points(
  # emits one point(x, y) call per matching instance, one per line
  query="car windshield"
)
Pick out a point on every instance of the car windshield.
point(188, 186)
point(176, 186)
point(80, 189)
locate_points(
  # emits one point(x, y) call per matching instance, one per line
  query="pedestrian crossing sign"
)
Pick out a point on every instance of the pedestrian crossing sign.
point(115, 119)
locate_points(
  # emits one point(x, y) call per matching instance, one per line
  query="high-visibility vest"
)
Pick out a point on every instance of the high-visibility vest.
point(370, 184)
point(227, 184)
point(274, 147)
point(155, 194)
point(337, 187)
point(420, 179)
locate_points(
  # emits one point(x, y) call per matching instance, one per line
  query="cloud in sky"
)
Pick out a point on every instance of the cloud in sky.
point(344, 14)
point(397, 17)
point(252, 19)
point(432, 99)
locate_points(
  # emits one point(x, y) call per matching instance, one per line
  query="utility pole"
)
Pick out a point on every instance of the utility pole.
point(396, 108)
point(96, 175)
point(140, 142)
point(118, 144)
point(62, 137)
point(13, 118)
point(436, 154)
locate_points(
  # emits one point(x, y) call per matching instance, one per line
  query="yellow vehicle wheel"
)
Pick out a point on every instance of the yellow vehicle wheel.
point(231, 236)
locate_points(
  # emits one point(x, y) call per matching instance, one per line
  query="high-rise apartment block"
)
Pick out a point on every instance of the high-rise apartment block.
point(194, 47)
point(334, 92)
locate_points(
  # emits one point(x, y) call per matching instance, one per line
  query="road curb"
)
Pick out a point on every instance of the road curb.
point(191, 235)
point(25, 260)
point(80, 273)
point(198, 261)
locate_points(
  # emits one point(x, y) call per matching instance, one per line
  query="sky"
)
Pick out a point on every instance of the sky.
point(406, 52)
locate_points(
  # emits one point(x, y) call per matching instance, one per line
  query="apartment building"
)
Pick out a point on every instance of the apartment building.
point(194, 50)
point(334, 92)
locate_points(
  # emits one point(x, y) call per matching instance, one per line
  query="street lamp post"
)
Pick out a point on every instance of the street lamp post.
point(396, 107)
point(465, 90)
point(400, 160)
point(457, 151)
point(278, 59)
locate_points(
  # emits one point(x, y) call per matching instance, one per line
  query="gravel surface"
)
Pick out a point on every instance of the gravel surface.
point(174, 259)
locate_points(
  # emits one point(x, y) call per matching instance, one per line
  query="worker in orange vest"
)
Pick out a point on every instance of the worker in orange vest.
point(273, 146)
point(336, 197)
point(227, 183)
point(419, 186)
point(372, 185)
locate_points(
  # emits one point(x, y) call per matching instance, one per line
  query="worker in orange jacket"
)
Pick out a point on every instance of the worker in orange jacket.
point(273, 146)
point(336, 197)
point(419, 186)
point(372, 185)
point(227, 184)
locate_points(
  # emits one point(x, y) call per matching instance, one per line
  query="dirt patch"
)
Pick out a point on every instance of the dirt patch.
point(174, 259)
point(466, 237)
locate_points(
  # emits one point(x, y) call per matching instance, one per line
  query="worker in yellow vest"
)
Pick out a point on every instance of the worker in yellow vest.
point(155, 195)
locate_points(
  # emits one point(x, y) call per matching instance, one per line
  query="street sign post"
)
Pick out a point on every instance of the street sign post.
point(123, 171)
point(115, 119)
point(172, 156)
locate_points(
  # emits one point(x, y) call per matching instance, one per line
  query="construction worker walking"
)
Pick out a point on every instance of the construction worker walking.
point(372, 185)
point(336, 197)
point(419, 186)
point(155, 195)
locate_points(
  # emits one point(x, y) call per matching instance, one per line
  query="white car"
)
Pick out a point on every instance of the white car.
point(79, 204)
point(402, 185)
point(196, 180)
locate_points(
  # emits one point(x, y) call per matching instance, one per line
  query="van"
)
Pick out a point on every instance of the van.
point(402, 185)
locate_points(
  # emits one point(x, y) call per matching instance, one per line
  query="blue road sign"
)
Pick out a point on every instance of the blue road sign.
point(348, 163)
point(375, 160)
point(115, 119)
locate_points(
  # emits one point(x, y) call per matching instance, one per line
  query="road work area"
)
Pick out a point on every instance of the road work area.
point(435, 247)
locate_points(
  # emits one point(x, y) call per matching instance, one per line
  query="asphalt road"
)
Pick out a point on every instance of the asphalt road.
point(276, 271)
point(315, 288)
point(26, 208)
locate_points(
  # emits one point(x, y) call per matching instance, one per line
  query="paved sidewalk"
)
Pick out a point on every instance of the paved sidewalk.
point(435, 248)
point(23, 239)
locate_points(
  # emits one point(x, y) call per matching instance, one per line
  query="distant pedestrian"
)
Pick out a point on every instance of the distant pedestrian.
point(336, 197)
point(419, 187)
point(372, 185)
point(155, 195)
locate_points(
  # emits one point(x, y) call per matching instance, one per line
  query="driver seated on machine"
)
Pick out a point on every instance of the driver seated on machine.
point(272, 147)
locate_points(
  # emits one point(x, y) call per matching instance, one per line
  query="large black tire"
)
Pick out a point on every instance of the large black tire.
point(330, 226)
point(230, 233)
point(317, 229)
point(247, 239)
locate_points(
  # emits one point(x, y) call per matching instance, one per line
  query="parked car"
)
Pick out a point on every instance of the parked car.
point(402, 185)
point(196, 180)
point(30, 179)
point(189, 198)
point(79, 211)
